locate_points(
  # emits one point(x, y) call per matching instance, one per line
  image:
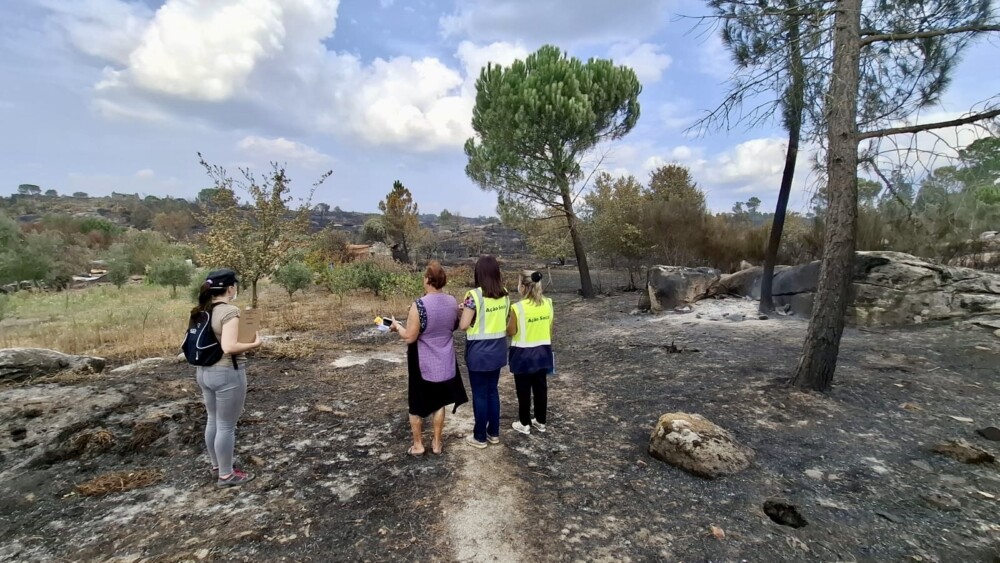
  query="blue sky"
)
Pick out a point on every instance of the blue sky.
point(103, 95)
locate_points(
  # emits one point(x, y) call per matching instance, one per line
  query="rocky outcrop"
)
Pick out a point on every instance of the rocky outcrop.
point(696, 445)
point(24, 363)
point(964, 452)
point(668, 287)
point(889, 288)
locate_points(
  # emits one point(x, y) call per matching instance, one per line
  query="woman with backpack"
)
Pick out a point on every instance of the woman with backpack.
point(484, 318)
point(531, 357)
point(223, 383)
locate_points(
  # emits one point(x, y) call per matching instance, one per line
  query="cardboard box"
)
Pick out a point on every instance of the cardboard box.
point(249, 325)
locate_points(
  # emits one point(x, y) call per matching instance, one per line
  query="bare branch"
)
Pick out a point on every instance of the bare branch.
point(981, 116)
point(872, 37)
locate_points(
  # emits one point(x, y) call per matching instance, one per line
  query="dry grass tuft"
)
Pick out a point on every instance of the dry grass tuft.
point(296, 349)
point(144, 433)
point(119, 481)
point(98, 441)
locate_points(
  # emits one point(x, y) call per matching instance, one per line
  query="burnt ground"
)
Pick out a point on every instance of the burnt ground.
point(334, 482)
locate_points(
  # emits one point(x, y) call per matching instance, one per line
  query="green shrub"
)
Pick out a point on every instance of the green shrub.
point(6, 306)
point(172, 272)
point(118, 266)
point(293, 276)
point(381, 276)
point(101, 225)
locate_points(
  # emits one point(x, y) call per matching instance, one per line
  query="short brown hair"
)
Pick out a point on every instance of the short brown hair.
point(435, 275)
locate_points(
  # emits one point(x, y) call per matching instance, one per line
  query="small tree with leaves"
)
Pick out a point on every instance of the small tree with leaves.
point(293, 276)
point(537, 120)
point(616, 222)
point(253, 238)
point(171, 272)
point(119, 270)
point(400, 217)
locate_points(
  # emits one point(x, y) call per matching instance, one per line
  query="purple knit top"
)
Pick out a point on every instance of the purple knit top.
point(436, 344)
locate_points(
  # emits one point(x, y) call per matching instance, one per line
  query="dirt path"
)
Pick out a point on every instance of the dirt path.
point(489, 524)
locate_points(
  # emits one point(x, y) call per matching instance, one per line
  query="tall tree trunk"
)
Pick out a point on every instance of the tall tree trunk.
point(819, 355)
point(253, 294)
point(586, 287)
point(793, 108)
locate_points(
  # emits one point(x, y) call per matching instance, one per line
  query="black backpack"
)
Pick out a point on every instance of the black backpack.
point(201, 347)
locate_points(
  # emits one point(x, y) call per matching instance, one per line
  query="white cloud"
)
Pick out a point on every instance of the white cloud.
point(386, 3)
point(107, 29)
point(234, 60)
point(560, 21)
point(644, 58)
point(752, 167)
point(281, 149)
point(714, 58)
point(145, 173)
point(677, 114)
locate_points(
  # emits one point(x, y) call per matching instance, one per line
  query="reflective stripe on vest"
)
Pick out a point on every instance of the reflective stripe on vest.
point(534, 324)
point(488, 324)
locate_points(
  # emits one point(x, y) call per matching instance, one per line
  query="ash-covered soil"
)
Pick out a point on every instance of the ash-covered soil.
point(327, 437)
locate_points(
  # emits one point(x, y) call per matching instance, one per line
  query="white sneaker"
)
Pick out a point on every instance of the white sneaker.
point(537, 425)
point(516, 425)
point(472, 441)
point(493, 439)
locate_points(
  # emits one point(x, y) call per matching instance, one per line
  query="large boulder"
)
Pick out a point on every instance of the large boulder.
point(668, 287)
point(745, 283)
point(889, 289)
point(22, 363)
point(694, 444)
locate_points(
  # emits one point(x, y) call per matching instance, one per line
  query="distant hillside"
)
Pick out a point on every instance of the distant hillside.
point(455, 237)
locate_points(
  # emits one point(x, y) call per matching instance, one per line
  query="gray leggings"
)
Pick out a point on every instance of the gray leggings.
point(225, 390)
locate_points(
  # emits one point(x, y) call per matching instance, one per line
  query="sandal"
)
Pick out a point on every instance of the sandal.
point(410, 452)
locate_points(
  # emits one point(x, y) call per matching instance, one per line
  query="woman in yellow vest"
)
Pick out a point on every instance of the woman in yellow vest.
point(531, 358)
point(484, 320)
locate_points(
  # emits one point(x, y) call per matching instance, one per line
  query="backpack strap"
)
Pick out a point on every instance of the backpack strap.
point(236, 365)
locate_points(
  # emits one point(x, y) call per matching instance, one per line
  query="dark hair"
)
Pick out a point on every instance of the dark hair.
point(487, 276)
point(207, 291)
point(435, 275)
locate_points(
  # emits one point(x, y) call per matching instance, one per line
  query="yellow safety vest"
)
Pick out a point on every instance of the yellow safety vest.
point(491, 317)
point(534, 324)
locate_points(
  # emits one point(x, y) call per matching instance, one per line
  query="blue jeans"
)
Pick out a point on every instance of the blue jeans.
point(485, 403)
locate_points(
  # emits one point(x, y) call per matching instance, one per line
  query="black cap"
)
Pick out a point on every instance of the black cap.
point(221, 278)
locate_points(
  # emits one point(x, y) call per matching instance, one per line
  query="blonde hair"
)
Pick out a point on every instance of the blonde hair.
point(532, 283)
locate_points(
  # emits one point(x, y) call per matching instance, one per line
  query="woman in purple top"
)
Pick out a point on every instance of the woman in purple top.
point(434, 380)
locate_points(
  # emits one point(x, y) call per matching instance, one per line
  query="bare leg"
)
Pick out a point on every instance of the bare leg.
point(436, 445)
point(417, 426)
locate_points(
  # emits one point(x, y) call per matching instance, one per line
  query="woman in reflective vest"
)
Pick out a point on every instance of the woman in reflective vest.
point(484, 320)
point(531, 358)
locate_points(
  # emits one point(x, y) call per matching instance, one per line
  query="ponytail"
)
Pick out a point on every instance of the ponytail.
point(532, 283)
point(205, 305)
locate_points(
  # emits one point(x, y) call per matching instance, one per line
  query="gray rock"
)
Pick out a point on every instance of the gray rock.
point(669, 287)
point(146, 363)
point(963, 451)
point(23, 363)
point(943, 502)
point(991, 433)
point(889, 289)
point(696, 445)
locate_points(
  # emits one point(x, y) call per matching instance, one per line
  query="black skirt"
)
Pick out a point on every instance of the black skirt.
point(427, 397)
